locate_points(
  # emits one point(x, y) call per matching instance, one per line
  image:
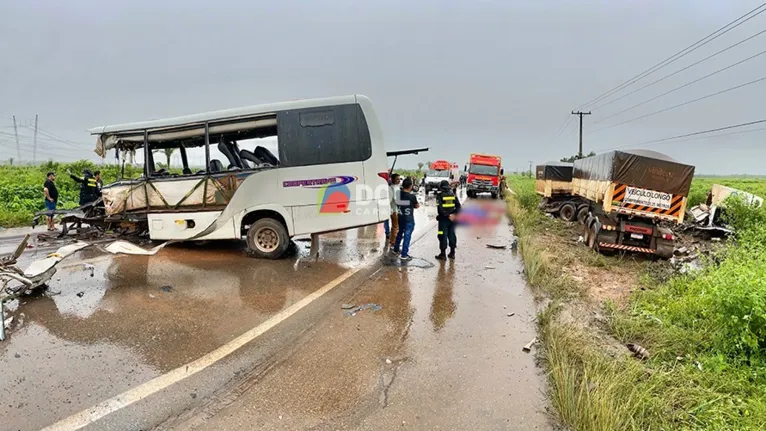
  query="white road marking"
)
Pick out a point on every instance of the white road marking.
point(100, 410)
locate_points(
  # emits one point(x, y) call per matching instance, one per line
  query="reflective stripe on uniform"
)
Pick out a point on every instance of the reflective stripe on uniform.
point(448, 198)
point(448, 205)
point(91, 182)
point(441, 232)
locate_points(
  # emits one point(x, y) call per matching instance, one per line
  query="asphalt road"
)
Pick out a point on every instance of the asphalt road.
point(202, 337)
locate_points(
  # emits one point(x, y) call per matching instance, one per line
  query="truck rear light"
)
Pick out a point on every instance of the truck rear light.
point(383, 175)
point(667, 236)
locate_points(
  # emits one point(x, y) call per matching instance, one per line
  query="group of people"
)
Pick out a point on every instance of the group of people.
point(90, 191)
point(400, 226)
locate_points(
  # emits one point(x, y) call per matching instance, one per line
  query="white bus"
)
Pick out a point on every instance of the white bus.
point(329, 173)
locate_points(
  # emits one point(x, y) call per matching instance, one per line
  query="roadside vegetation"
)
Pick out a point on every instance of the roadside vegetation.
point(705, 332)
point(21, 187)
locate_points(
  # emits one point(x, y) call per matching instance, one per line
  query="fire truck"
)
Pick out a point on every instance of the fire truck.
point(485, 175)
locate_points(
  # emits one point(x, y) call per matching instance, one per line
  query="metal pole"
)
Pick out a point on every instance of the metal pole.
point(580, 114)
point(34, 145)
point(16, 132)
point(2, 321)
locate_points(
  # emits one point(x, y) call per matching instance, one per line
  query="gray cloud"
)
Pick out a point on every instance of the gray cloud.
point(457, 76)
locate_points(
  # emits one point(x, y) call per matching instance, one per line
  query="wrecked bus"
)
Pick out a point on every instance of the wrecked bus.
point(329, 173)
point(630, 194)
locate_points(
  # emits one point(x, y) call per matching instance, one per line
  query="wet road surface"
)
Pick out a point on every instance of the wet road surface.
point(442, 353)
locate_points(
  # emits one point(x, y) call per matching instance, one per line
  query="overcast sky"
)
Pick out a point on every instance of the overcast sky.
point(457, 76)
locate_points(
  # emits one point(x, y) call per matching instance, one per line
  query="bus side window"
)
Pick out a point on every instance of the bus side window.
point(333, 134)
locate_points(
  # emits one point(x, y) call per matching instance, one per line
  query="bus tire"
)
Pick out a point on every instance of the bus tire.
point(267, 239)
point(567, 212)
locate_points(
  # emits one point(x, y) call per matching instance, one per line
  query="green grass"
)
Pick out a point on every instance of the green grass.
point(706, 334)
point(21, 188)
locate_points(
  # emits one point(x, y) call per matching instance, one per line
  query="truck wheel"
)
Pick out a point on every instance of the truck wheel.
point(494, 195)
point(582, 214)
point(593, 237)
point(567, 212)
point(267, 239)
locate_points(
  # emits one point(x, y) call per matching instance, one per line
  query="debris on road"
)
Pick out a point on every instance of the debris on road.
point(489, 267)
point(89, 267)
point(511, 314)
point(347, 306)
point(638, 351)
point(125, 247)
point(357, 309)
point(80, 294)
point(497, 246)
point(388, 361)
point(166, 289)
point(528, 347)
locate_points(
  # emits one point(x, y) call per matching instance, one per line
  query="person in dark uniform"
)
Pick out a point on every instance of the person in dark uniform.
point(447, 208)
point(89, 186)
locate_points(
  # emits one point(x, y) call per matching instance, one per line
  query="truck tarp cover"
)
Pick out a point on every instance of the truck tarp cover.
point(638, 168)
point(557, 171)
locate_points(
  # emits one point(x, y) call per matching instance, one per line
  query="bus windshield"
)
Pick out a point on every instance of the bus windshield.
point(440, 174)
point(483, 170)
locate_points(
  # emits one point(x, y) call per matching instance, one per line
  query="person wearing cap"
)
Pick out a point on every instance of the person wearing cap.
point(447, 208)
point(89, 186)
point(51, 194)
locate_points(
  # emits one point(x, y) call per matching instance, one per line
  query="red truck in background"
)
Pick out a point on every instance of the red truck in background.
point(485, 174)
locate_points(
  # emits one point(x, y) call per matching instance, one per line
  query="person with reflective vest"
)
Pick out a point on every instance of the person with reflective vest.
point(90, 189)
point(447, 208)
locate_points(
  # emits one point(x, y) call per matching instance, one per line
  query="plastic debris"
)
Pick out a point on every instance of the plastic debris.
point(638, 351)
point(528, 347)
point(358, 308)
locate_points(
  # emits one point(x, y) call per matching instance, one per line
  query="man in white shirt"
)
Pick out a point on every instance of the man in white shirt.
point(393, 193)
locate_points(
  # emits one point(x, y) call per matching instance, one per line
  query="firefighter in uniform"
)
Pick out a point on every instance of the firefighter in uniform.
point(89, 187)
point(447, 207)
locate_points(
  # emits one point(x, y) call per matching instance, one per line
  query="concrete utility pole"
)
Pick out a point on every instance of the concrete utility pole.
point(16, 133)
point(530, 167)
point(580, 114)
point(34, 145)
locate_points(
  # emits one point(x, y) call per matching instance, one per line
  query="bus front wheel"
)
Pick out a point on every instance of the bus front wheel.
point(267, 239)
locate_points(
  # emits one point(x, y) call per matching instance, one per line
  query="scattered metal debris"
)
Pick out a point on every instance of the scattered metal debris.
point(358, 308)
point(497, 246)
point(511, 314)
point(347, 306)
point(638, 351)
point(528, 347)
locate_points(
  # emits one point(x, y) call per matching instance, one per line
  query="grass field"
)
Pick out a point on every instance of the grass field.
point(706, 332)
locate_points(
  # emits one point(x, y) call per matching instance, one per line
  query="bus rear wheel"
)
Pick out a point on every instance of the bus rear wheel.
point(267, 239)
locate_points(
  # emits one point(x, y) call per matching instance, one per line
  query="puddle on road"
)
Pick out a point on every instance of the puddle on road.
point(416, 262)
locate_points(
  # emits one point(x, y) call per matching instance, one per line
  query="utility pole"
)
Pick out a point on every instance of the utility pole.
point(580, 114)
point(530, 168)
point(16, 133)
point(34, 145)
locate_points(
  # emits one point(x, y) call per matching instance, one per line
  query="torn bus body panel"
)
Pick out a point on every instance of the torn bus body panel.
point(708, 217)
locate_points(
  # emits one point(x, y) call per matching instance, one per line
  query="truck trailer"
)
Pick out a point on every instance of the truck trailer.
point(554, 183)
point(633, 195)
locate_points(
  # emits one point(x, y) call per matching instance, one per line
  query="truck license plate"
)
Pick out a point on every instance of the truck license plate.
point(636, 236)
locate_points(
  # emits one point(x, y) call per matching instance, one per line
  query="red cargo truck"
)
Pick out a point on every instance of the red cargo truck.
point(484, 175)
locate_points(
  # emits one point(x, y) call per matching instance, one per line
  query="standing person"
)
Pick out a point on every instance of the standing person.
point(99, 183)
point(89, 189)
point(51, 194)
point(447, 207)
point(407, 204)
point(393, 192)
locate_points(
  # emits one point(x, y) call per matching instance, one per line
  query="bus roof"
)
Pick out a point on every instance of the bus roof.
point(225, 114)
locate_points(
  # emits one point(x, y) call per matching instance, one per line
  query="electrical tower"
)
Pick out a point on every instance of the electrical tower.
point(580, 114)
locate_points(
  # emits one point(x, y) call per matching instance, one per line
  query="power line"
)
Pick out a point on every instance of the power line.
point(680, 70)
point(712, 36)
point(683, 104)
point(681, 86)
point(702, 132)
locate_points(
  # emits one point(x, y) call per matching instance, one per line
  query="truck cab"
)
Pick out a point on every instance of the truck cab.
point(484, 175)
